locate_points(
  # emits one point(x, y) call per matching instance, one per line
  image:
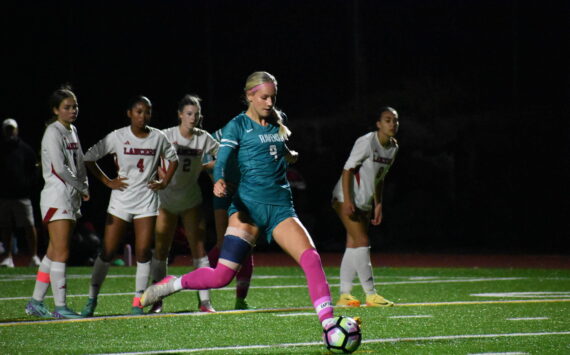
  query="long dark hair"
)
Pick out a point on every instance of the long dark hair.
point(57, 97)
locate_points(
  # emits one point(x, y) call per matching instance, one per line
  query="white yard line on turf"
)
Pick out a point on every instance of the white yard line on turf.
point(534, 294)
point(412, 316)
point(259, 310)
point(312, 314)
point(529, 318)
point(290, 286)
point(368, 341)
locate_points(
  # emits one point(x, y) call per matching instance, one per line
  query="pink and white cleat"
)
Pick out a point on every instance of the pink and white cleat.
point(158, 291)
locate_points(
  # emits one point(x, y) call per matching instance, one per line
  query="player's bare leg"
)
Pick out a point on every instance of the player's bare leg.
point(240, 238)
point(144, 233)
point(195, 227)
point(115, 229)
point(166, 223)
point(58, 252)
point(356, 260)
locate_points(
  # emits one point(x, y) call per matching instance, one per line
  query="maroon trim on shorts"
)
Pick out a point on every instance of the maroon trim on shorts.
point(49, 215)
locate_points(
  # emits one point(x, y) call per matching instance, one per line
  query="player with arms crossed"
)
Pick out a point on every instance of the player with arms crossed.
point(262, 204)
point(138, 149)
point(183, 196)
point(357, 197)
point(65, 187)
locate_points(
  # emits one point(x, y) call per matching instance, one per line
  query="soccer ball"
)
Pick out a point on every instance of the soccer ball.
point(343, 336)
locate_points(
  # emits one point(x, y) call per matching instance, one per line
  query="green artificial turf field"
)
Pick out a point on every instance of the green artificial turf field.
point(438, 311)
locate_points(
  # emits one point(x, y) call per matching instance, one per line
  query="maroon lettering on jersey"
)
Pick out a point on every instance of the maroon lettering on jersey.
point(139, 151)
point(382, 160)
point(72, 146)
point(188, 151)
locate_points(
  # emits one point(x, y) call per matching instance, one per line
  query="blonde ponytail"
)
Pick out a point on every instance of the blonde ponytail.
point(284, 131)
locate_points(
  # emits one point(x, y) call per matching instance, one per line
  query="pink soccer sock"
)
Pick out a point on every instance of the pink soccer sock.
point(243, 277)
point(213, 256)
point(206, 278)
point(319, 291)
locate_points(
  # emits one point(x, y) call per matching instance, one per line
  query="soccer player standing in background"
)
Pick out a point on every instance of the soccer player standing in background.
point(357, 197)
point(262, 204)
point(183, 196)
point(221, 206)
point(138, 149)
point(65, 186)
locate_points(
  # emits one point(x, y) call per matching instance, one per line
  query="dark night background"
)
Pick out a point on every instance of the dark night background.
point(481, 87)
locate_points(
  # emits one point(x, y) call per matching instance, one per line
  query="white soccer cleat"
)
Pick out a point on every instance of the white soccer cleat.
point(8, 262)
point(158, 291)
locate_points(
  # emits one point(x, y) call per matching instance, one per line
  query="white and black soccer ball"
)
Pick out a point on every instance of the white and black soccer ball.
point(343, 336)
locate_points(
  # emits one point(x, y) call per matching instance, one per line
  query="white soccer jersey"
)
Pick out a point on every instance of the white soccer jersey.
point(183, 192)
point(63, 170)
point(371, 162)
point(137, 159)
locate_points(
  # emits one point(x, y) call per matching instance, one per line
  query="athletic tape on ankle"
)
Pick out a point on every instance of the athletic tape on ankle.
point(234, 249)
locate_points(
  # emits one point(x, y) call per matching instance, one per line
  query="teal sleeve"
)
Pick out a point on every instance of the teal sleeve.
point(229, 142)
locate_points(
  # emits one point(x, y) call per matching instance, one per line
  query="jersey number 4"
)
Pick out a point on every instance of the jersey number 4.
point(140, 165)
point(273, 151)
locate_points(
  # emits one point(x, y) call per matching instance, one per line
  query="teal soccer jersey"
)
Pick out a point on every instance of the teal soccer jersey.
point(261, 159)
point(232, 173)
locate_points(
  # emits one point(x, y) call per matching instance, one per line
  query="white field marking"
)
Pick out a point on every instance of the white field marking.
point(69, 276)
point(304, 285)
point(507, 353)
point(250, 311)
point(412, 316)
point(538, 294)
point(529, 318)
point(296, 314)
point(368, 341)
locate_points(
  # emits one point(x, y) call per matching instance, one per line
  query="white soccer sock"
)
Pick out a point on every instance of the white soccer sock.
point(100, 269)
point(363, 265)
point(347, 271)
point(57, 278)
point(198, 263)
point(158, 269)
point(40, 289)
point(141, 278)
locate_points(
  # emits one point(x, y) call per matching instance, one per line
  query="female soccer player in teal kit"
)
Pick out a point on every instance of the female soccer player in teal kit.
point(262, 204)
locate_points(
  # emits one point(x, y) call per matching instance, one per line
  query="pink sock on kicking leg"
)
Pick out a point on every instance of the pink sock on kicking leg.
point(318, 286)
point(243, 277)
point(206, 278)
point(213, 256)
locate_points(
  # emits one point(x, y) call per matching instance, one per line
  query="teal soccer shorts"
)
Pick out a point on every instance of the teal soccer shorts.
point(265, 217)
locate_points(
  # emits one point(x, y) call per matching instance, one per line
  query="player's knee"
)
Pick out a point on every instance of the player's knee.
point(235, 249)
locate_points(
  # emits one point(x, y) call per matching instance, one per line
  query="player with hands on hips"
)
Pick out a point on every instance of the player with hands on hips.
point(138, 150)
point(262, 204)
point(357, 200)
point(183, 197)
point(65, 187)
